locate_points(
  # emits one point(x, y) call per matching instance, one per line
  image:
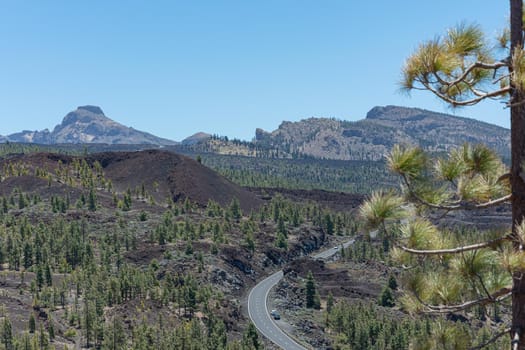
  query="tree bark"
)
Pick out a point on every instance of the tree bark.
point(517, 126)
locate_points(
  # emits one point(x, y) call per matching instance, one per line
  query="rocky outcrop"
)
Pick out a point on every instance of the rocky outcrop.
point(372, 137)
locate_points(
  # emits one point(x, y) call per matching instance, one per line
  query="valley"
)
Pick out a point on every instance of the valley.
point(157, 246)
point(129, 238)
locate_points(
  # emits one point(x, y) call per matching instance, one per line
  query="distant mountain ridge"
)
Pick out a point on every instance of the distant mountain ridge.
point(88, 124)
point(372, 137)
point(327, 138)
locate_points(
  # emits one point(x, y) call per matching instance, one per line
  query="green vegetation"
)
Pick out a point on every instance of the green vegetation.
point(303, 173)
point(364, 326)
point(454, 274)
point(331, 175)
point(382, 323)
point(312, 298)
point(450, 274)
point(113, 269)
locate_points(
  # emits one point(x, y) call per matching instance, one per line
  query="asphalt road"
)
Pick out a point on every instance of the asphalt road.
point(258, 306)
point(260, 316)
point(329, 252)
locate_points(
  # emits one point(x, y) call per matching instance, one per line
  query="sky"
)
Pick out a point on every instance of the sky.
point(174, 68)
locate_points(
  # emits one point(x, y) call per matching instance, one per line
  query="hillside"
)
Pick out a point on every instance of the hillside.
point(162, 174)
point(107, 243)
point(372, 137)
point(105, 247)
point(88, 124)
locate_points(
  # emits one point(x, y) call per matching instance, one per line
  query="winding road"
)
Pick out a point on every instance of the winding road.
point(258, 305)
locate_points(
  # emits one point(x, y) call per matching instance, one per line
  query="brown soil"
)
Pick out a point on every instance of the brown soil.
point(341, 282)
point(163, 174)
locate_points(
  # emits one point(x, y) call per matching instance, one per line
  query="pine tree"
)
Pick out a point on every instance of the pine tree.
point(7, 334)
point(32, 323)
point(280, 241)
point(460, 68)
point(386, 298)
point(235, 209)
point(392, 282)
point(251, 338)
point(51, 332)
point(310, 290)
point(48, 276)
point(92, 200)
point(28, 255)
point(329, 302)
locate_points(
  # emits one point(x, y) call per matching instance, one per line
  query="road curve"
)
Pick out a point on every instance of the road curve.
point(260, 316)
point(258, 305)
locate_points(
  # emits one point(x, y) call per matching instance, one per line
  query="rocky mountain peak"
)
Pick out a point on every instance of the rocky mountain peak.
point(384, 126)
point(394, 112)
point(88, 124)
point(260, 134)
point(92, 109)
point(83, 114)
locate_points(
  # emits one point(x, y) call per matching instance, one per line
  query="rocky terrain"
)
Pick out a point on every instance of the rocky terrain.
point(157, 222)
point(349, 282)
point(372, 137)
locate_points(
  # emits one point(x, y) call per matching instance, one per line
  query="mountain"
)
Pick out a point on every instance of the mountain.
point(372, 137)
point(175, 176)
point(28, 136)
point(88, 124)
point(196, 138)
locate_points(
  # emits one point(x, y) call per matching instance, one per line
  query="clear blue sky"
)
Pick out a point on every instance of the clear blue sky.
point(173, 68)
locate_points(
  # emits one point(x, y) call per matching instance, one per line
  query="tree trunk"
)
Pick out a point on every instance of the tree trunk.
point(517, 126)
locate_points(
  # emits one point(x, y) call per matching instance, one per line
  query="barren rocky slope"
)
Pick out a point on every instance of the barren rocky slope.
point(88, 124)
point(371, 138)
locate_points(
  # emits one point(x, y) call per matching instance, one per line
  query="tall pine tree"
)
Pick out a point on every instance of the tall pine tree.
point(461, 68)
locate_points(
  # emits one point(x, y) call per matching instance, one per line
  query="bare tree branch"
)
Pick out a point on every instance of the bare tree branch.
point(497, 80)
point(498, 296)
point(503, 177)
point(469, 102)
point(476, 65)
point(483, 285)
point(457, 249)
point(465, 206)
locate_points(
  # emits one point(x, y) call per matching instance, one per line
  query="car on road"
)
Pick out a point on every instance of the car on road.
point(275, 315)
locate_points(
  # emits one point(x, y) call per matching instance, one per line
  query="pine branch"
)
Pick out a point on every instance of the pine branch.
point(457, 249)
point(483, 285)
point(473, 66)
point(498, 296)
point(470, 102)
point(466, 206)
